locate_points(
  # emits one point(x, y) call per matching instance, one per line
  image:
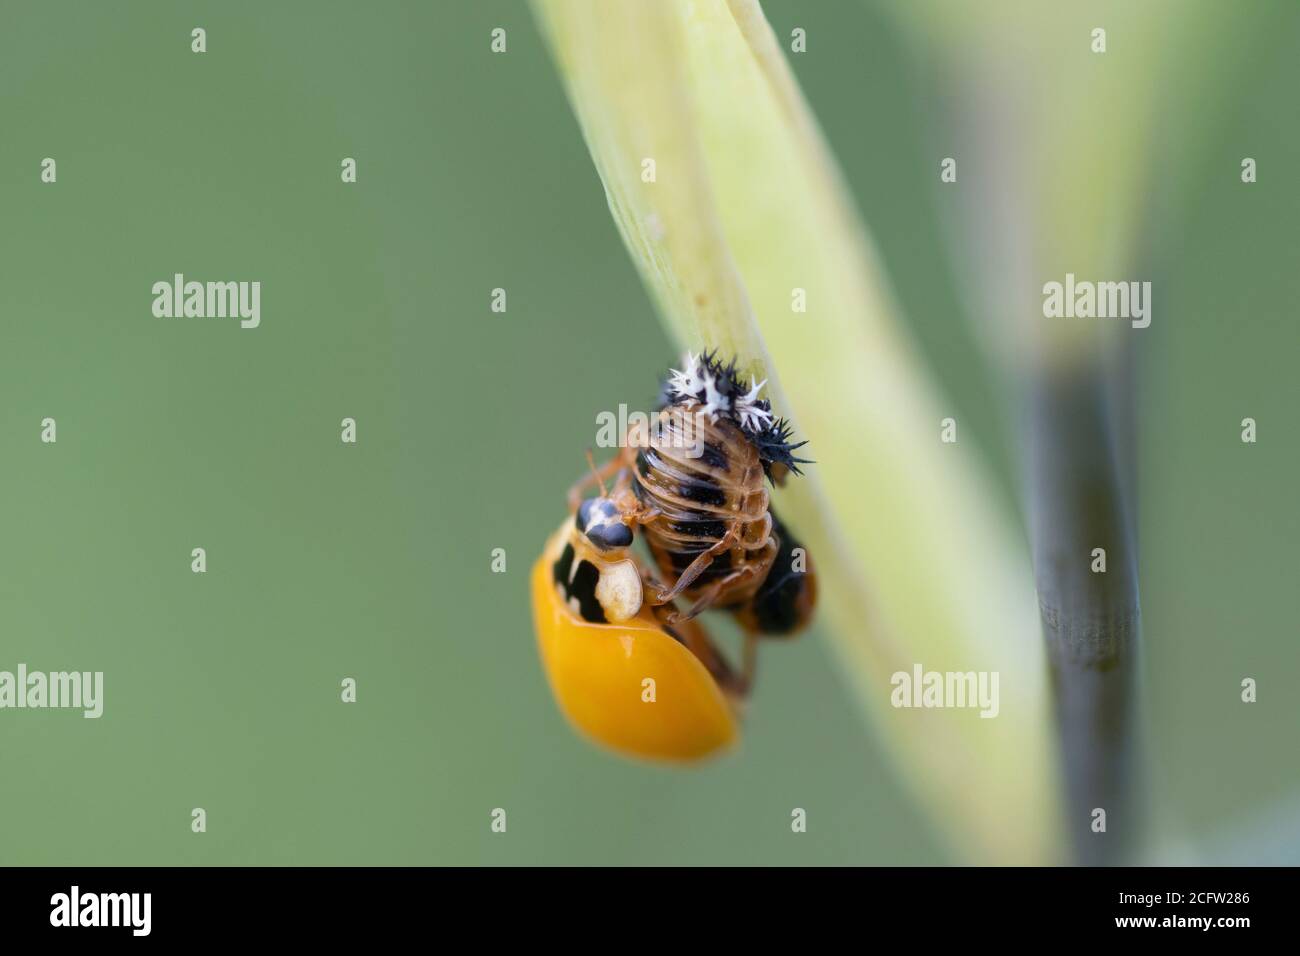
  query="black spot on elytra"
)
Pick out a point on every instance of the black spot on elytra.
point(561, 568)
point(582, 587)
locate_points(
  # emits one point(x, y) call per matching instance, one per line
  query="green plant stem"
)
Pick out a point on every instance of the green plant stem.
point(917, 563)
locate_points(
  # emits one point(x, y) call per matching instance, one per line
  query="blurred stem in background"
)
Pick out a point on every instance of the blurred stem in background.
point(1079, 503)
point(733, 211)
point(1057, 140)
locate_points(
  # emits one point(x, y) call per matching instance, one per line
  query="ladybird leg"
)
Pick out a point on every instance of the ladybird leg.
point(607, 470)
point(699, 565)
point(698, 642)
point(651, 585)
point(749, 666)
point(692, 634)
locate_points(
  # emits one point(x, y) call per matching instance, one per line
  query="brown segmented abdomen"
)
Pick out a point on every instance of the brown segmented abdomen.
point(699, 497)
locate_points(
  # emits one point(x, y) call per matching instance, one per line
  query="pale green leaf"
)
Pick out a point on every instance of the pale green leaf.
point(918, 565)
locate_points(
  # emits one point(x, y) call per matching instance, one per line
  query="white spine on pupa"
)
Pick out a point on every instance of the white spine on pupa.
point(751, 417)
point(694, 378)
point(689, 380)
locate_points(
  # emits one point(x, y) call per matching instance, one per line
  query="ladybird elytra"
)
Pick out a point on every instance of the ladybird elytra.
point(598, 673)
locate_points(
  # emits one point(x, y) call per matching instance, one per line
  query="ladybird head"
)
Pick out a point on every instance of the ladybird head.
point(601, 521)
point(719, 392)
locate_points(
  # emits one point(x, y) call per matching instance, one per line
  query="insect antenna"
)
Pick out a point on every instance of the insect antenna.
point(591, 463)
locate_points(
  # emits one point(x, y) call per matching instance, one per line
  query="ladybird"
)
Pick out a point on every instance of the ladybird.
point(619, 674)
point(609, 630)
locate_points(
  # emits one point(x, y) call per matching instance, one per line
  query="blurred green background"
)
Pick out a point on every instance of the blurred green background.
point(372, 561)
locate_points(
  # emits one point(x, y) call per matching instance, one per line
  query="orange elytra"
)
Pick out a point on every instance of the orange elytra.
point(632, 685)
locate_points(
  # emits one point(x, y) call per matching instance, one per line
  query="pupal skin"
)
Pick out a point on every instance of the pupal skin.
point(628, 667)
point(696, 485)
